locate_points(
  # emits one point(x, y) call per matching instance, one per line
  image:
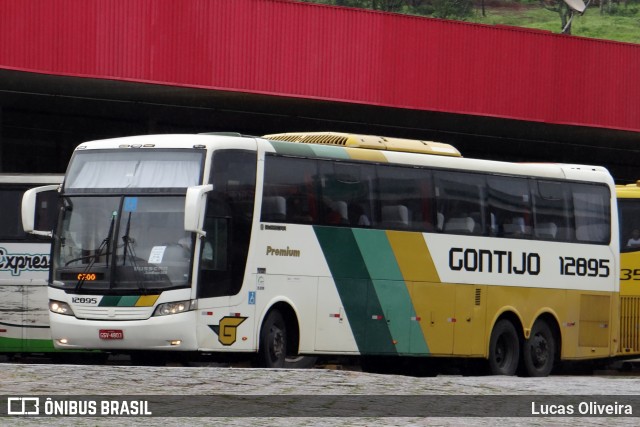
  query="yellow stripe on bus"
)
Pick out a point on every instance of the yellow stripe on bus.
point(413, 257)
point(368, 155)
point(147, 300)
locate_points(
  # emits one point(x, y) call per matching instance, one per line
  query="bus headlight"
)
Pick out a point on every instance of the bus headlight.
point(174, 307)
point(60, 307)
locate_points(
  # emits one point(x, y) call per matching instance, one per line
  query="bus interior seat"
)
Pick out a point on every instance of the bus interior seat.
point(359, 215)
point(274, 208)
point(460, 225)
point(476, 217)
point(395, 216)
point(298, 210)
point(340, 207)
point(516, 227)
point(546, 230)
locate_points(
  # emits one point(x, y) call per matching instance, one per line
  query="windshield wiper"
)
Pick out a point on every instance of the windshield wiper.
point(105, 244)
point(127, 242)
point(132, 255)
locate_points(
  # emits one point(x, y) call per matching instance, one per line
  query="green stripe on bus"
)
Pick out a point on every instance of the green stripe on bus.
point(128, 301)
point(109, 301)
point(119, 301)
point(391, 291)
point(356, 290)
point(330, 151)
point(292, 148)
point(377, 254)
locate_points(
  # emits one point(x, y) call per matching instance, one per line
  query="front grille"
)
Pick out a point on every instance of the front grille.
point(112, 313)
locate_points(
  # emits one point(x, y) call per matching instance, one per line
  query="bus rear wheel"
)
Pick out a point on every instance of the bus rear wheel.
point(538, 352)
point(504, 349)
point(273, 341)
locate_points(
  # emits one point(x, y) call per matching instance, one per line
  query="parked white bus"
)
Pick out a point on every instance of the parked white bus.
point(24, 265)
point(386, 249)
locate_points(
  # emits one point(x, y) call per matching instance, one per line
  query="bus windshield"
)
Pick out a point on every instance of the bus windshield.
point(113, 171)
point(122, 243)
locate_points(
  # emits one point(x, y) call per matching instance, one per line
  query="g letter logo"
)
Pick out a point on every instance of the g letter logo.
point(227, 329)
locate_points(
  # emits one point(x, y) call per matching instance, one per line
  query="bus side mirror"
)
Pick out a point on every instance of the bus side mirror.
point(194, 205)
point(29, 207)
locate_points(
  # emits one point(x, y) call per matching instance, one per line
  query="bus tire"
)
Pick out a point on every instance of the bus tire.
point(300, 362)
point(273, 341)
point(539, 351)
point(504, 349)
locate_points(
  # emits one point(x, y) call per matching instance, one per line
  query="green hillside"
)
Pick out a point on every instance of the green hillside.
point(622, 25)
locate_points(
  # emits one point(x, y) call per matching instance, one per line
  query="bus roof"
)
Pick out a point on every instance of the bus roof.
point(276, 143)
point(629, 191)
point(368, 141)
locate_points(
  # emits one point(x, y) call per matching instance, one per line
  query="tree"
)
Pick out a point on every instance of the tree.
point(452, 9)
point(565, 12)
point(447, 9)
point(387, 5)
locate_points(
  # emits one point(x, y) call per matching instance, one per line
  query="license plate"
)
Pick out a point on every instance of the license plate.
point(111, 334)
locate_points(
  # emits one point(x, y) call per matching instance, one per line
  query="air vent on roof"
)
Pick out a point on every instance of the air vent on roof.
point(368, 141)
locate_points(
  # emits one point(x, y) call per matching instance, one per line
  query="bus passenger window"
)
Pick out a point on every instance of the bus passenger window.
point(289, 190)
point(509, 204)
point(395, 216)
point(405, 196)
point(591, 213)
point(346, 190)
point(551, 217)
point(460, 202)
point(274, 208)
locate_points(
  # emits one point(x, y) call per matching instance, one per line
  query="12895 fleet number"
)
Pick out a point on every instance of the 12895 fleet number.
point(590, 267)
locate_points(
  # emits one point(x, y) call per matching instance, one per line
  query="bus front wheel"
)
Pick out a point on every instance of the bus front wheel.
point(538, 352)
point(273, 341)
point(504, 349)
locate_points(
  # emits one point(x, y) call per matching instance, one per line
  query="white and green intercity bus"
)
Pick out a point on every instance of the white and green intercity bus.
point(24, 265)
point(396, 251)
